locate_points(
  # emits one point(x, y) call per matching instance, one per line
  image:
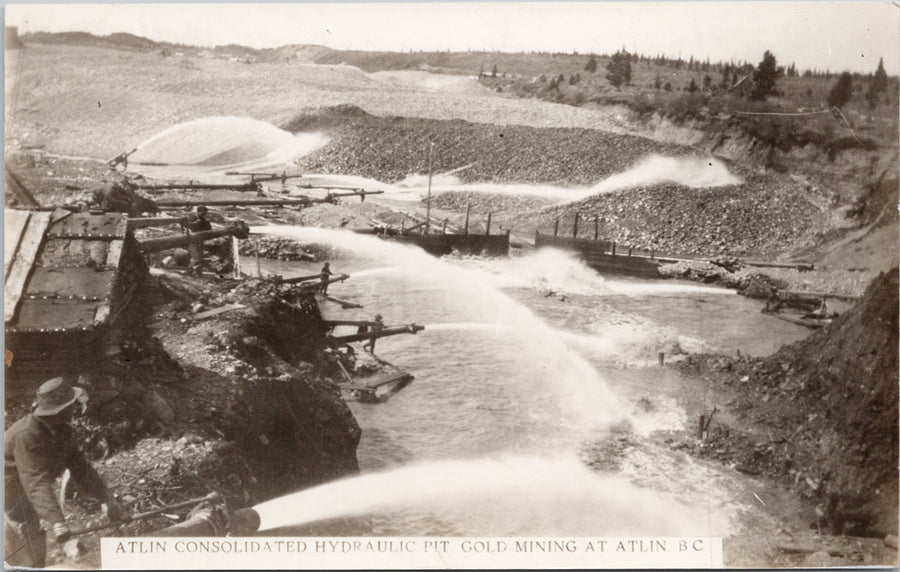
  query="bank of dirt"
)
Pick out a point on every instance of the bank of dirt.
point(234, 403)
point(819, 417)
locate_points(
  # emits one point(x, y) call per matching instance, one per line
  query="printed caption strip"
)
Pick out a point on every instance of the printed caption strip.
point(266, 553)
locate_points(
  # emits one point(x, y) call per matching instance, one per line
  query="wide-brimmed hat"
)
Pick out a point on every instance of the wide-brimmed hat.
point(55, 395)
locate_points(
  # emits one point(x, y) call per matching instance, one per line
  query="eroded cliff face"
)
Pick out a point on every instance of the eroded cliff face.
point(821, 415)
point(251, 377)
point(847, 374)
point(188, 403)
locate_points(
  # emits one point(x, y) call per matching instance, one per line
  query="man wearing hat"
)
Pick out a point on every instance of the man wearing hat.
point(37, 449)
point(374, 327)
point(197, 249)
point(324, 276)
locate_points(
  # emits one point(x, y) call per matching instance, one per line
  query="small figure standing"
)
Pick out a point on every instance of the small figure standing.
point(36, 450)
point(202, 223)
point(196, 248)
point(324, 275)
point(120, 159)
point(374, 328)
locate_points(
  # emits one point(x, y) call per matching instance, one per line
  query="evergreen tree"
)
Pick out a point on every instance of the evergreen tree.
point(878, 85)
point(693, 87)
point(618, 70)
point(591, 65)
point(764, 77)
point(707, 82)
point(842, 91)
point(494, 71)
point(657, 83)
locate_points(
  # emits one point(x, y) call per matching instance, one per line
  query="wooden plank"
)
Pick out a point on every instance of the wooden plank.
point(217, 311)
point(18, 189)
point(14, 223)
point(23, 262)
point(385, 379)
point(820, 295)
point(114, 254)
point(59, 214)
point(109, 225)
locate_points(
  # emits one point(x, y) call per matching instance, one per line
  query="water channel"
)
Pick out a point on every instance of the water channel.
point(535, 400)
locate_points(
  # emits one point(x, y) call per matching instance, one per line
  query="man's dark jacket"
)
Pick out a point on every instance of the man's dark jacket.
point(35, 454)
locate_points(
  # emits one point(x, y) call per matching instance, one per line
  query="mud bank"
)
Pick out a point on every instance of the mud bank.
point(194, 403)
point(819, 417)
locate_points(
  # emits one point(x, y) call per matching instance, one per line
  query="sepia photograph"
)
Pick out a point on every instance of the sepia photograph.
point(450, 285)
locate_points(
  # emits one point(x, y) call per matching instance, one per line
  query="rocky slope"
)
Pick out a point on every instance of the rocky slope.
point(821, 415)
point(390, 148)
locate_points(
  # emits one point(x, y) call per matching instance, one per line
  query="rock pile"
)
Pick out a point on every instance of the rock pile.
point(390, 148)
point(276, 248)
point(487, 202)
point(756, 218)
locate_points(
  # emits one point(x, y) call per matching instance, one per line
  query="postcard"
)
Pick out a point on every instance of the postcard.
point(535, 285)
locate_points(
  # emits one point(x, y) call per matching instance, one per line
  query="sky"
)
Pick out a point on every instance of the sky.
point(838, 36)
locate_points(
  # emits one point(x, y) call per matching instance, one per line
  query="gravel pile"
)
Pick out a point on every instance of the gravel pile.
point(758, 218)
point(390, 148)
point(483, 203)
point(275, 248)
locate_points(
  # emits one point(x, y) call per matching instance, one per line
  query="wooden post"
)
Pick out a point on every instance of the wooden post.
point(630, 248)
point(444, 227)
point(662, 359)
point(702, 426)
point(596, 227)
point(614, 248)
point(258, 270)
point(652, 253)
point(235, 257)
point(487, 230)
point(402, 225)
point(466, 228)
point(428, 199)
point(575, 226)
point(556, 228)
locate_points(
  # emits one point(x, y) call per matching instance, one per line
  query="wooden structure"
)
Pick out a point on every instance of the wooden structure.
point(606, 256)
point(69, 278)
point(441, 244)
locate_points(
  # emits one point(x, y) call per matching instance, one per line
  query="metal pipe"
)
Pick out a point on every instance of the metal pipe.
point(240, 230)
point(335, 278)
point(239, 202)
point(241, 522)
point(250, 186)
point(211, 497)
point(144, 222)
point(395, 331)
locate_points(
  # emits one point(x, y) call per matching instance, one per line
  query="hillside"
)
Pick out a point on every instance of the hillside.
point(822, 415)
